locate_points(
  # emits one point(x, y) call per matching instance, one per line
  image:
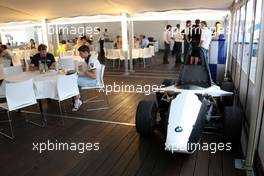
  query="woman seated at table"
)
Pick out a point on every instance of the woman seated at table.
point(118, 42)
point(87, 76)
point(44, 57)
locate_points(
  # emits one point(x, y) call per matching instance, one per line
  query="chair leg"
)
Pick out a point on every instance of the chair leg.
point(91, 100)
point(11, 128)
point(61, 113)
point(101, 108)
point(43, 118)
point(144, 62)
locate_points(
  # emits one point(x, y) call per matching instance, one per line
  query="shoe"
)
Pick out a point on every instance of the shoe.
point(77, 105)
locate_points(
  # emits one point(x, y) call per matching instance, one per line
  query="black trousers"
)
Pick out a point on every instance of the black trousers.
point(178, 51)
point(101, 46)
point(186, 53)
point(166, 52)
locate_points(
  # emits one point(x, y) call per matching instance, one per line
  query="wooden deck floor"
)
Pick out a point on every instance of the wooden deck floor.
point(122, 151)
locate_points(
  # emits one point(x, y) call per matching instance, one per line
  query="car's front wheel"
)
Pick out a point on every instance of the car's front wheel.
point(146, 117)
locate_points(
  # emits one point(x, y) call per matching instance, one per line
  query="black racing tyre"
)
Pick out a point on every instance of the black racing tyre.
point(232, 123)
point(146, 117)
point(229, 87)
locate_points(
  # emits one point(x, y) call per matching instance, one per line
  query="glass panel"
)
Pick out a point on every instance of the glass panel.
point(255, 46)
point(241, 34)
point(235, 33)
point(247, 36)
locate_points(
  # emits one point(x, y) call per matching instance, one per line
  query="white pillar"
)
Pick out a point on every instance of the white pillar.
point(131, 44)
point(125, 39)
point(44, 28)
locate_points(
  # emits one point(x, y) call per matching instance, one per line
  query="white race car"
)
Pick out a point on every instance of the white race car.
point(189, 107)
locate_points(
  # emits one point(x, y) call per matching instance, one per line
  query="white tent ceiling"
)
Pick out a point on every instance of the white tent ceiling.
point(22, 10)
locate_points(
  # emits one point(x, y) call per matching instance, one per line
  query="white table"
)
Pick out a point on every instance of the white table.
point(45, 85)
point(137, 53)
point(156, 46)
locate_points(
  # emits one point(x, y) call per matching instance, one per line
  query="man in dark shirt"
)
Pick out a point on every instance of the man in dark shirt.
point(44, 57)
point(196, 37)
point(187, 40)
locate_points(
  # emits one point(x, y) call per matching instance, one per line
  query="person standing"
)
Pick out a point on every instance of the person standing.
point(166, 40)
point(106, 35)
point(101, 41)
point(177, 48)
point(206, 37)
point(187, 40)
point(196, 37)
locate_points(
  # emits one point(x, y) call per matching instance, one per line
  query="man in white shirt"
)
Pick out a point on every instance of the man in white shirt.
point(106, 35)
point(205, 41)
point(177, 48)
point(88, 77)
point(101, 40)
point(166, 40)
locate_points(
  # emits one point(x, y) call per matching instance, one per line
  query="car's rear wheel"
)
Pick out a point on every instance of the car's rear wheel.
point(146, 117)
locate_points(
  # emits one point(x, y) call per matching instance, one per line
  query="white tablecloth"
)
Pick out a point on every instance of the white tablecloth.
point(119, 54)
point(45, 85)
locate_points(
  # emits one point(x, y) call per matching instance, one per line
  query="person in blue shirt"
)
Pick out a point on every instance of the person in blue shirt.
point(145, 41)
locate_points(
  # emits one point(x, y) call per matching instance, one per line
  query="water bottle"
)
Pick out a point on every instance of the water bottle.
point(41, 67)
point(57, 67)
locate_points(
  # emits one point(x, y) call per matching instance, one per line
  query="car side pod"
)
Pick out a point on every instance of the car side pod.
point(184, 111)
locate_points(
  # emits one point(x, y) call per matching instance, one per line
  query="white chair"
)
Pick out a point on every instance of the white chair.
point(66, 54)
point(27, 63)
point(146, 55)
point(17, 100)
point(67, 87)
point(152, 50)
point(101, 87)
point(2, 76)
point(68, 64)
point(6, 62)
point(10, 71)
point(16, 59)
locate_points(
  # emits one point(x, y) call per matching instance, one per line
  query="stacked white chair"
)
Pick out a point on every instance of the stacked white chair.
point(17, 100)
point(67, 87)
point(101, 87)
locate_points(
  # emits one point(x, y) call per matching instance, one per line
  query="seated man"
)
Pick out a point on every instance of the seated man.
point(44, 57)
point(5, 53)
point(87, 77)
point(145, 42)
